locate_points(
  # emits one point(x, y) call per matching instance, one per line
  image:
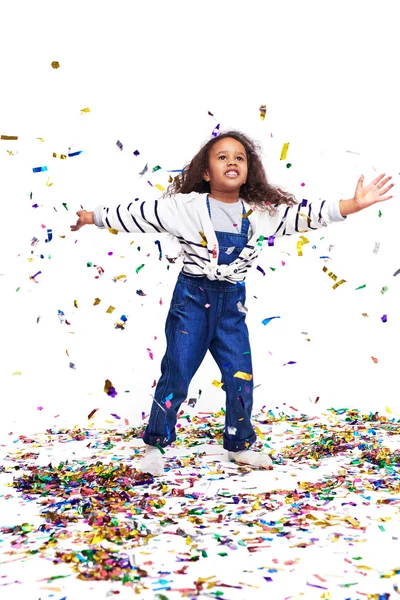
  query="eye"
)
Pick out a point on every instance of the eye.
point(222, 156)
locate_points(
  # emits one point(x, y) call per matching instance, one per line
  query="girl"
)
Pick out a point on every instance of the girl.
point(220, 208)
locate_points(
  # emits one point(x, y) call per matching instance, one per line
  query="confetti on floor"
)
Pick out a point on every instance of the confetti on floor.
point(79, 520)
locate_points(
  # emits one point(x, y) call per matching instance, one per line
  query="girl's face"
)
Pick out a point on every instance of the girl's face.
point(227, 166)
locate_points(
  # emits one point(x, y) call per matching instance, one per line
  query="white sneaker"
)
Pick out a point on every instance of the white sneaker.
point(249, 457)
point(152, 462)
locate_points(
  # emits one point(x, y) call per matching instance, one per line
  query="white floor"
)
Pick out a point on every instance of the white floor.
point(296, 531)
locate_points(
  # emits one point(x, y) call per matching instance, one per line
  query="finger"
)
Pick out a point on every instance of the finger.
point(384, 182)
point(389, 187)
point(377, 180)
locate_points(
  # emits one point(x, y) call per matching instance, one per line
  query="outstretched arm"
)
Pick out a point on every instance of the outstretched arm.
point(307, 216)
point(148, 216)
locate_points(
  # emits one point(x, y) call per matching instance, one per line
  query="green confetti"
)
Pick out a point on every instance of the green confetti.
point(65, 205)
point(138, 269)
point(160, 449)
point(384, 289)
point(157, 168)
point(381, 527)
point(89, 264)
point(361, 287)
point(379, 214)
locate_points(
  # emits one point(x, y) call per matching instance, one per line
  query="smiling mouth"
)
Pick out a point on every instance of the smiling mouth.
point(232, 174)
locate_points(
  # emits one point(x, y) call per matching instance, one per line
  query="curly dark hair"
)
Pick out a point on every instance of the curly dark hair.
point(256, 191)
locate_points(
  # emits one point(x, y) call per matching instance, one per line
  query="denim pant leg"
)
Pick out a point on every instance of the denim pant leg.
point(230, 348)
point(187, 332)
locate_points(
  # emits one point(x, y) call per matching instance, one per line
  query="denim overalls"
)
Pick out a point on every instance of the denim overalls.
point(191, 329)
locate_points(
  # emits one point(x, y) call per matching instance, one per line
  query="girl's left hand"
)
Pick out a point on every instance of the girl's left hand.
point(372, 193)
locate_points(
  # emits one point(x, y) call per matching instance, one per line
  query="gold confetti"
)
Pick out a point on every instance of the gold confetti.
point(41, 139)
point(114, 231)
point(352, 521)
point(96, 301)
point(159, 187)
point(9, 137)
point(204, 242)
point(62, 156)
point(241, 375)
point(338, 283)
point(284, 152)
point(217, 383)
point(85, 110)
point(76, 303)
point(110, 309)
point(334, 277)
point(303, 240)
point(55, 64)
point(48, 182)
point(121, 277)
point(263, 110)
point(170, 180)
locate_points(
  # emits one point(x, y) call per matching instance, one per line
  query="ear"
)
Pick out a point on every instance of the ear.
point(206, 176)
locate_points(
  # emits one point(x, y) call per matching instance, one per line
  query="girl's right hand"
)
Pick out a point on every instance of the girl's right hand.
point(85, 218)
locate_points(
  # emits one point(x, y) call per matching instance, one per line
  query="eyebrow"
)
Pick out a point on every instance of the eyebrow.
point(225, 152)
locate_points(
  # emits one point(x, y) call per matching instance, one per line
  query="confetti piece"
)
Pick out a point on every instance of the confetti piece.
point(334, 277)
point(396, 273)
point(136, 152)
point(218, 384)
point(159, 187)
point(96, 301)
point(263, 111)
point(62, 156)
point(384, 318)
point(374, 359)
point(384, 289)
point(284, 152)
point(110, 309)
point(376, 248)
point(144, 170)
point(39, 169)
point(110, 389)
point(85, 110)
point(241, 375)
point(361, 287)
point(266, 321)
point(9, 137)
point(113, 231)
point(90, 415)
point(216, 131)
point(49, 236)
point(120, 145)
point(55, 64)
point(75, 153)
point(302, 241)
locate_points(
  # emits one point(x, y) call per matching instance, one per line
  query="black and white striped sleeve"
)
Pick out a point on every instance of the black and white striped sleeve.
point(302, 217)
point(147, 216)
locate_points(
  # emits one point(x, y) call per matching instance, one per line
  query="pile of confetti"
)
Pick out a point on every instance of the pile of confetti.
point(98, 519)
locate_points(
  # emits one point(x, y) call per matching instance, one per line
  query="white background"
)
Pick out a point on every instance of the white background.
point(150, 72)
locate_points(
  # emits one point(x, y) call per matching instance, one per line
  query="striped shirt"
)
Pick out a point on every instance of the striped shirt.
point(185, 217)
